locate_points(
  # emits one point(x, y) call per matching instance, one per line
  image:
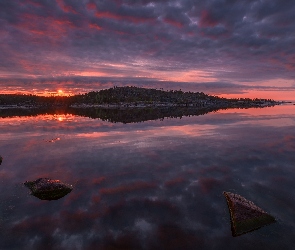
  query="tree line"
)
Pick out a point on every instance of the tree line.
point(119, 95)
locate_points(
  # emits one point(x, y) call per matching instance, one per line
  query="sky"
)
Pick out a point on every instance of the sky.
point(224, 47)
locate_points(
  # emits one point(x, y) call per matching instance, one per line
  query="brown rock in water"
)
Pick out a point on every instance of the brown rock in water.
point(245, 215)
point(1, 159)
point(48, 189)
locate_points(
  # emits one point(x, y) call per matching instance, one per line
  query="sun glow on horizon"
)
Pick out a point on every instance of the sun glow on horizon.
point(60, 92)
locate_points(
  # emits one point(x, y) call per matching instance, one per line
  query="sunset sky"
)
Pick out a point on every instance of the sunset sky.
point(223, 47)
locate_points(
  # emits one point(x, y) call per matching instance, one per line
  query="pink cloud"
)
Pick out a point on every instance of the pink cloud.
point(65, 8)
point(95, 26)
point(172, 22)
point(207, 20)
point(41, 27)
point(115, 16)
point(91, 6)
point(31, 2)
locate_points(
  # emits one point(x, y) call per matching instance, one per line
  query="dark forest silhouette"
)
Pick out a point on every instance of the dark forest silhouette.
point(124, 104)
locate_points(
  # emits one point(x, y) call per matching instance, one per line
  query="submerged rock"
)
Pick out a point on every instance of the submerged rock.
point(1, 159)
point(245, 215)
point(48, 189)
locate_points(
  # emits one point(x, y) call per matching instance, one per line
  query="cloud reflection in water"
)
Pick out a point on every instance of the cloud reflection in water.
point(154, 185)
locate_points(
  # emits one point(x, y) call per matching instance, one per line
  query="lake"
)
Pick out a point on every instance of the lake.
point(149, 185)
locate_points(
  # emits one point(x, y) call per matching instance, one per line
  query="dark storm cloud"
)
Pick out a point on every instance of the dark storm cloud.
point(234, 40)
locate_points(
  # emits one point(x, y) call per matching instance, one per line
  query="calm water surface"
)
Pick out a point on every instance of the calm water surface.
point(150, 185)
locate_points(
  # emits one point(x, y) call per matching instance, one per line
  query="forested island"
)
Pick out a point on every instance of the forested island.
point(125, 104)
point(131, 97)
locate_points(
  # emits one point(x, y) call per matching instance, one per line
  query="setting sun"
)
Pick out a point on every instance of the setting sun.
point(61, 92)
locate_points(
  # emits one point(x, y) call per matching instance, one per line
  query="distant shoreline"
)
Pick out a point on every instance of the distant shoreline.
point(132, 112)
point(145, 105)
point(132, 97)
point(170, 105)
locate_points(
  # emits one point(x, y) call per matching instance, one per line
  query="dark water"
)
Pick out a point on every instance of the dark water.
point(151, 185)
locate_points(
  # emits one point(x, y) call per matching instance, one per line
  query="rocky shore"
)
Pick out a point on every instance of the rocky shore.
point(199, 104)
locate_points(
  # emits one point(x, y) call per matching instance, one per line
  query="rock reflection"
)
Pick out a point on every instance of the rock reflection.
point(48, 189)
point(1, 159)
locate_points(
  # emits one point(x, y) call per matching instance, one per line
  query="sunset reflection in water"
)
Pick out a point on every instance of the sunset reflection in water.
point(151, 185)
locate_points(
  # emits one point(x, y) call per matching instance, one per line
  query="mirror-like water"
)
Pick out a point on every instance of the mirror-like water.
point(151, 185)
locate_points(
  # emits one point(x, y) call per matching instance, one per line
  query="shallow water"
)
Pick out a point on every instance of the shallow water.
point(151, 185)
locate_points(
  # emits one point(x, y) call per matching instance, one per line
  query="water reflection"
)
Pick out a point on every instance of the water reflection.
point(123, 115)
point(152, 185)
